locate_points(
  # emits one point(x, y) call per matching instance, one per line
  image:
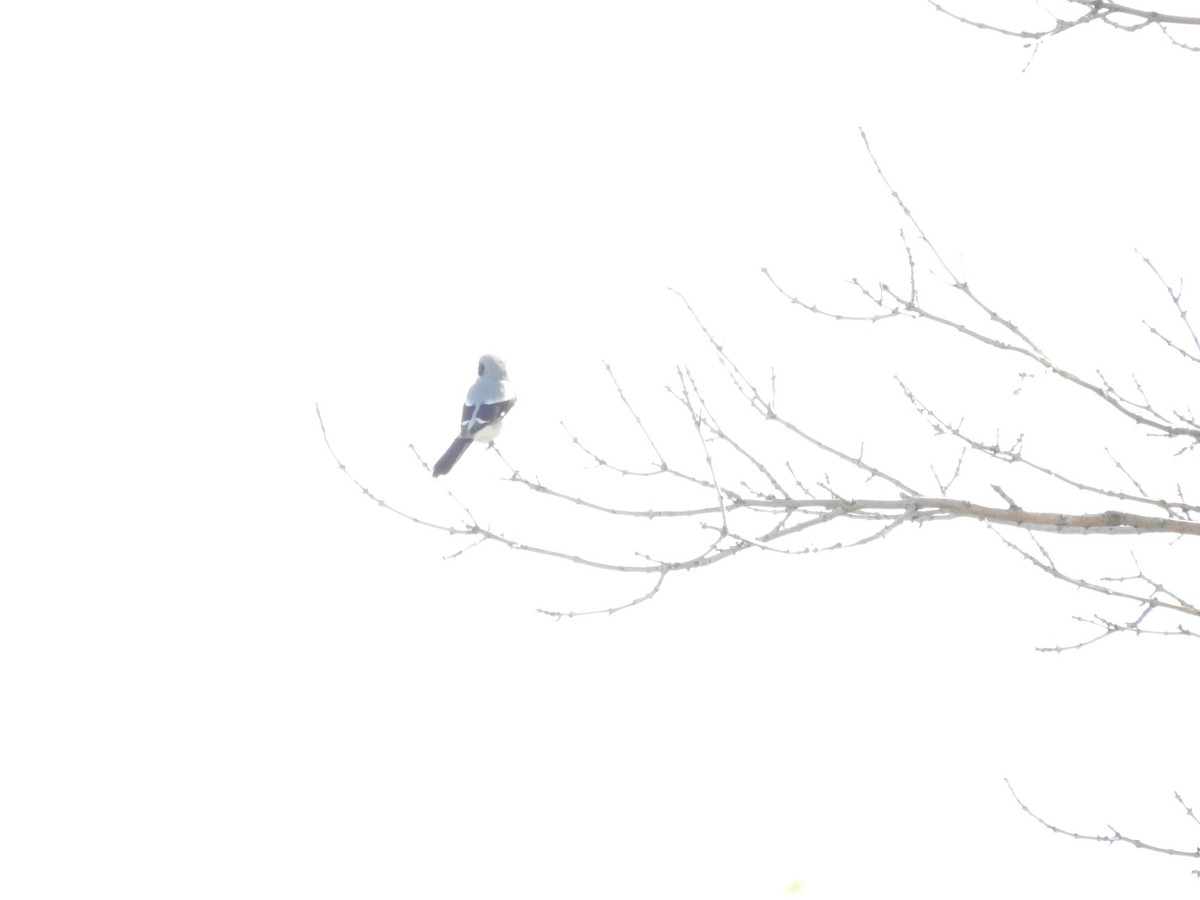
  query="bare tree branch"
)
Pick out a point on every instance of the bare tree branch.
point(1059, 27)
point(759, 403)
point(1114, 15)
point(1176, 296)
point(1024, 345)
point(740, 499)
point(1113, 838)
point(1015, 455)
point(1148, 15)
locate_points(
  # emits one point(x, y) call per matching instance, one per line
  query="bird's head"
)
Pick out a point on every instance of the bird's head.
point(492, 367)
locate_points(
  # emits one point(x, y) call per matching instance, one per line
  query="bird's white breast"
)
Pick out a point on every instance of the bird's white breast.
point(489, 431)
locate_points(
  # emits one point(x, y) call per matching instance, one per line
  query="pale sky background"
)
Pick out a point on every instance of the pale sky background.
point(225, 673)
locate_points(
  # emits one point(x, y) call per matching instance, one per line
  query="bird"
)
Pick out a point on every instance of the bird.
point(488, 402)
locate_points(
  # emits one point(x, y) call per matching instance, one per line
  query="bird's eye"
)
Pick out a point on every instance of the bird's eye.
point(481, 368)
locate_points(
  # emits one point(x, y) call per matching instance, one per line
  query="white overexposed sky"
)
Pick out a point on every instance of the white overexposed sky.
point(224, 672)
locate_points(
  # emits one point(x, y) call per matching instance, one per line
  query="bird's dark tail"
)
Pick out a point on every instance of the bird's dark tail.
point(450, 457)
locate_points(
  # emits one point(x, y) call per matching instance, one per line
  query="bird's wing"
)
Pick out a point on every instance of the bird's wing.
point(480, 415)
point(488, 401)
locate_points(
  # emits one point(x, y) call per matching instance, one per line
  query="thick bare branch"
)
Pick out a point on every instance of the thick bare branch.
point(1114, 15)
point(1150, 16)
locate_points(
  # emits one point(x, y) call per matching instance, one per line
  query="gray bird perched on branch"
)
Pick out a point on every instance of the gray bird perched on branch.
point(488, 402)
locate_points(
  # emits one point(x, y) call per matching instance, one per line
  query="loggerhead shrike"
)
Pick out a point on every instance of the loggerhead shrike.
point(488, 402)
